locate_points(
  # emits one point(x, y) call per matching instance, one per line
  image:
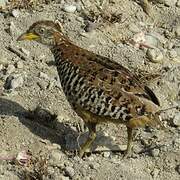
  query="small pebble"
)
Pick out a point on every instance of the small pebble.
point(13, 82)
point(122, 147)
point(94, 165)
point(63, 177)
point(12, 29)
point(155, 152)
point(69, 8)
point(168, 2)
point(155, 173)
point(43, 85)
point(134, 28)
point(70, 171)
point(3, 3)
point(17, 82)
point(10, 69)
point(155, 55)
point(55, 157)
point(1, 67)
point(178, 168)
point(151, 40)
point(3, 60)
point(106, 154)
point(57, 146)
point(177, 31)
point(169, 45)
point(78, 7)
point(178, 3)
point(15, 13)
point(19, 65)
point(176, 141)
point(172, 53)
point(43, 75)
point(25, 51)
point(177, 49)
point(90, 26)
point(80, 19)
point(50, 170)
point(176, 120)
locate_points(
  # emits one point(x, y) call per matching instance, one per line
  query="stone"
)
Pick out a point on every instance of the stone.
point(94, 165)
point(69, 171)
point(10, 69)
point(176, 120)
point(134, 28)
point(78, 7)
point(50, 170)
point(178, 168)
point(3, 60)
point(1, 67)
point(19, 65)
point(178, 3)
point(12, 29)
point(155, 55)
point(155, 173)
point(106, 154)
point(44, 76)
point(63, 177)
point(57, 146)
point(90, 26)
point(3, 3)
point(14, 81)
point(155, 152)
point(42, 84)
point(15, 13)
point(177, 49)
point(177, 31)
point(69, 8)
point(151, 40)
point(172, 53)
point(25, 51)
point(55, 157)
point(168, 2)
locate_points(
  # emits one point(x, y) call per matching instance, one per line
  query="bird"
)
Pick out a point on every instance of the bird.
point(98, 89)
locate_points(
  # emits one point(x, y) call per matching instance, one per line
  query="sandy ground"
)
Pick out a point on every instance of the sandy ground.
point(49, 141)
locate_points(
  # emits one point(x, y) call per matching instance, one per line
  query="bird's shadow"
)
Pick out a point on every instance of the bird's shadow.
point(51, 129)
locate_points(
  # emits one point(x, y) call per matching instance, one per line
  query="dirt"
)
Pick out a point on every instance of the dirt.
point(36, 118)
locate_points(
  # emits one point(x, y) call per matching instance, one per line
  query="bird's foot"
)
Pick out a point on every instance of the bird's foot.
point(127, 154)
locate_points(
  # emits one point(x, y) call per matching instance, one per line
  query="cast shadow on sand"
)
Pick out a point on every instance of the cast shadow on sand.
point(45, 125)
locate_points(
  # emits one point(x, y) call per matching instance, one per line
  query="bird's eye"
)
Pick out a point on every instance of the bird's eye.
point(41, 30)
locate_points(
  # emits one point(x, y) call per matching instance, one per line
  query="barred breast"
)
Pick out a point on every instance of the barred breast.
point(79, 92)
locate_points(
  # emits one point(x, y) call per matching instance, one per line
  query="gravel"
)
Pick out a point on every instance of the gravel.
point(156, 152)
point(69, 8)
point(176, 119)
point(177, 31)
point(69, 171)
point(14, 81)
point(155, 55)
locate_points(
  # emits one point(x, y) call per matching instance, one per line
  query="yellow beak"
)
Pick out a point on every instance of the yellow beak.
point(27, 36)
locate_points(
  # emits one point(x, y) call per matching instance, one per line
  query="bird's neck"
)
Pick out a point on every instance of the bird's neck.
point(59, 38)
point(59, 50)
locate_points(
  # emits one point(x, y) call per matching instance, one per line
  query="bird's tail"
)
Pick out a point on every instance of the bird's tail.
point(155, 119)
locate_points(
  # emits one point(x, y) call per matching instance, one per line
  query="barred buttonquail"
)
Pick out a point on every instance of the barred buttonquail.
point(98, 89)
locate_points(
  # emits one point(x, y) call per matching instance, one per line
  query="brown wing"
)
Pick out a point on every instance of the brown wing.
point(114, 79)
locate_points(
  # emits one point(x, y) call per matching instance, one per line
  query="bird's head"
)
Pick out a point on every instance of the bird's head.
point(45, 32)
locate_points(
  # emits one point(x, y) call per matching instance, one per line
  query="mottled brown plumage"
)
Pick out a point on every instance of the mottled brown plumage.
point(98, 89)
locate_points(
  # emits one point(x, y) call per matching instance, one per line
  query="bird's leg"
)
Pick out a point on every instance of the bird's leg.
point(129, 143)
point(89, 141)
point(134, 123)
